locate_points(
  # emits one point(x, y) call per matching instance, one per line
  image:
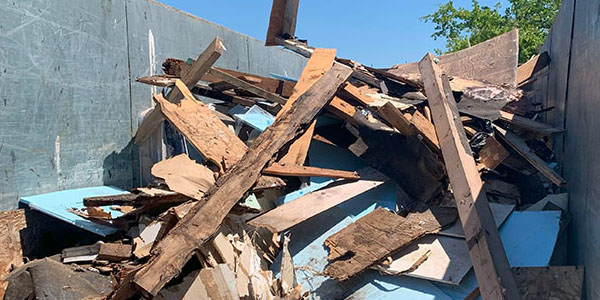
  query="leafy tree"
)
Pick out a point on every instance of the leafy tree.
point(462, 27)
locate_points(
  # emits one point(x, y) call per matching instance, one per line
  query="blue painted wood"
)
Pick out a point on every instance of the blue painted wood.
point(56, 204)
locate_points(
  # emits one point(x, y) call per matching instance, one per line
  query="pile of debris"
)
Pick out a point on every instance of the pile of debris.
point(350, 182)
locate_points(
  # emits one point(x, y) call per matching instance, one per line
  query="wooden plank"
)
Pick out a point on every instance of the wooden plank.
point(415, 124)
point(205, 60)
point(529, 124)
point(282, 22)
point(204, 130)
point(532, 66)
point(114, 252)
point(317, 65)
point(176, 67)
point(398, 120)
point(354, 93)
point(12, 222)
point(200, 66)
point(278, 169)
point(185, 176)
point(342, 109)
point(494, 60)
point(521, 147)
point(485, 247)
point(492, 154)
point(260, 92)
point(377, 235)
point(309, 205)
point(426, 129)
point(175, 249)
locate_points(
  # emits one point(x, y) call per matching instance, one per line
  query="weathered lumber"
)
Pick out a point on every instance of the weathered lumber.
point(317, 65)
point(494, 60)
point(377, 235)
point(205, 60)
point(114, 252)
point(11, 255)
point(528, 124)
point(140, 198)
point(202, 221)
point(247, 86)
point(312, 204)
point(278, 169)
point(485, 247)
point(176, 67)
point(532, 66)
point(521, 147)
point(282, 22)
point(416, 124)
point(185, 176)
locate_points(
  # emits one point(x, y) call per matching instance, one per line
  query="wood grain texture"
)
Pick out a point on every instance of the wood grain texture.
point(185, 176)
point(282, 21)
point(494, 60)
point(258, 91)
point(317, 65)
point(171, 254)
point(377, 235)
point(309, 205)
point(532, 66)
point(485, 247)
point(114, 252)
point(305, 171)
point(492, 154)
point(521, 147)
point(529, 124)
point(11, 255)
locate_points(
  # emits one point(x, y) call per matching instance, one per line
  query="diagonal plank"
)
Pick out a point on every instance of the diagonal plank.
point(171, 254)
point(260, 92)
point(312, 204)
point(485, 247)
point(306, 171)
point(317, 65)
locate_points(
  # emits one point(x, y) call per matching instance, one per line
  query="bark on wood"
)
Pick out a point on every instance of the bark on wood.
point(309, 205)
point(317, 65)
point(202, 221)
point(377, 235)
point(485, 247)
point(305, 171)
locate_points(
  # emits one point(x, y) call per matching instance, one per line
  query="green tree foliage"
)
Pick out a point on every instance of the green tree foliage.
point(462, 27)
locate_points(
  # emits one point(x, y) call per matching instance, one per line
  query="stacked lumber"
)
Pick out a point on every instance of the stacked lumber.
point(411, 171)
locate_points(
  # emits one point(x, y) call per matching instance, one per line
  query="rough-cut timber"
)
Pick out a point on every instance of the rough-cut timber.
point(114, 252)
point(485, 247)
point(494, 60)
point(202, 221)
point(205, 60)
point(305, 171)
point(317, 65)
point(282, 22)
point(312, 204)
point(377, 235)
point(247, 86)
point(521, 147)
point(528, 124)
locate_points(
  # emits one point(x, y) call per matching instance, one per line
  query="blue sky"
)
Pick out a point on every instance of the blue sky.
point(376, 33)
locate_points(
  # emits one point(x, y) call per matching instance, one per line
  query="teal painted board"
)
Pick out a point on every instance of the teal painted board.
point(528, 238)
point(56, 204)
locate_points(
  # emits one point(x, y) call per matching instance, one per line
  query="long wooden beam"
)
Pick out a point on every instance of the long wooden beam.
point(485, 247)
point(529, 124)
point(247, 86)
point(305, 171)
point(282, 21)
point(171, 254)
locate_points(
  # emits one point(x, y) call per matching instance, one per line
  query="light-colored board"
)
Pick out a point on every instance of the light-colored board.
point(309, 205)
point(317, 65)
point(306, 171)
point(532, 66)
point(185, 176)
point(529, 124)
point(521, 147)
point(485, 247)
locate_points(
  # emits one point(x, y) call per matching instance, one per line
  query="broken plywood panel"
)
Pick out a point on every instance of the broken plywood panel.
point(292, 213)
point(378, 234)
point(494, 60)
point(185, 176)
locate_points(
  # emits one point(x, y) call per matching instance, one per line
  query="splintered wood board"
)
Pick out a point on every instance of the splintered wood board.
point(377, 235)
point(309, 205)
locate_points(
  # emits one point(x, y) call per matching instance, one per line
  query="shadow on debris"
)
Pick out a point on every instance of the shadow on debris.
point(120, 169)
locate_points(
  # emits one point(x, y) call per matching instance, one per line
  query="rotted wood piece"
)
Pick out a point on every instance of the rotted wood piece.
point(377, 235)
point(176, 248)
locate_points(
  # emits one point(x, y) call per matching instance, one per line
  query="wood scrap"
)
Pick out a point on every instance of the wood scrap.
point(247, 86)
point(185, 176)
point(282, 21)
point(309, 205)
point(521, 147)
point(205, 217)
point(532, 66)
point(378, 234)
point(528, 124)
point(114, 251)
point(485, 247)
point(317, 65)
point(12, 222)
point(279, 169)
